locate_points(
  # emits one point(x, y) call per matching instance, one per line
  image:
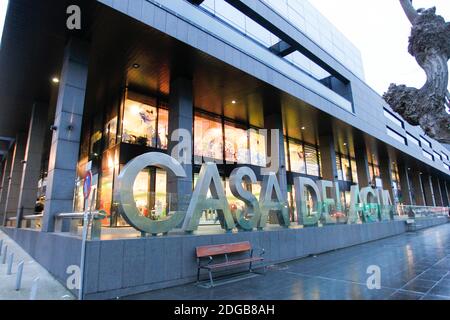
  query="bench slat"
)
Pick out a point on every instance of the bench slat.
point(233, 263)
point(214, 250)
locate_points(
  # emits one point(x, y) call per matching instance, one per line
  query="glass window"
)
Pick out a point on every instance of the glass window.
point(437, 155)
point(109, 163)
point(208, 138)
point(150, 193)
point(393, 118)
point(286, 155)
point(257, 148)
point(236, 144)
point(354, 170)
point(312, 161)
point(141, 191)
point(139, 123)
point(427, 155)
point(396, 135)
point(162, 139)
point(297, 157)
point(110, 133)
point(425, 141)
point(346, 169)
point(339, 167)
point(412, 139)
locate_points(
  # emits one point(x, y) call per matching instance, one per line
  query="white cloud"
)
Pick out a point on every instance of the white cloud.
point(380, 30)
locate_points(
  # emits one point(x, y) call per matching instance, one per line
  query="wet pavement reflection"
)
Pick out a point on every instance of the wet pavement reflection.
point(413, 266)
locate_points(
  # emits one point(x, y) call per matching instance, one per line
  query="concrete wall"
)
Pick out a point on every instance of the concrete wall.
point(121, 267)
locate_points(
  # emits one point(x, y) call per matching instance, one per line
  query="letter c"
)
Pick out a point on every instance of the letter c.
point(125, 196)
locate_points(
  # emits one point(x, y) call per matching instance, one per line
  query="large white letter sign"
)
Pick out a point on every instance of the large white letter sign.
point(251, 203)
point(369, 198)
point(125, 196)
point(330, 204)
point(208, 179)
point(387, 208)
point(355, 206)
point(302, 185)
point(270, 187)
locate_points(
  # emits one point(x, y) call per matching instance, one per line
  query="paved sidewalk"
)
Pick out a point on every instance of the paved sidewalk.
point(48, 287)
point(413, 266)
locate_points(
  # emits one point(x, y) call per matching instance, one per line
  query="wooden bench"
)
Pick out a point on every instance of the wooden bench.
point(225, 250)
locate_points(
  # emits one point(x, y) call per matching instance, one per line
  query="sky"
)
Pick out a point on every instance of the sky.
point(380, 30)
point(3, 6)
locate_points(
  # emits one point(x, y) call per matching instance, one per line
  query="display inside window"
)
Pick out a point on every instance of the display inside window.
point(354, 171)
point(312, 161)
point(297, 157)
point(346, 169)
point(106, 183)
point(140, 123)
point(163, 129)
point(339, 167)
point(110, 133)
point(257, 148)
point(208, 138)
point(150, 195)
point(236, 144)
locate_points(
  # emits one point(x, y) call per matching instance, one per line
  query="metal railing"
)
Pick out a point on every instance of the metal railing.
point(76, 219)
point(405, 212)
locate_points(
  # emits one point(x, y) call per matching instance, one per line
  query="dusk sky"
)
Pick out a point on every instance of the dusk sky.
point(380, 30)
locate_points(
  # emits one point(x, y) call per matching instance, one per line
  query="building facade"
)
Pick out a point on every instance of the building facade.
point(227, 72)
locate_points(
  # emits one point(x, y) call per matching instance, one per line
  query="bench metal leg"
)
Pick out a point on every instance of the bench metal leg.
point(198, 275)
point(211, 278)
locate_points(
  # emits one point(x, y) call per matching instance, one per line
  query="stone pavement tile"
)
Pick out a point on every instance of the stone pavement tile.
point(420, 285)
point(433, 297)
point(405, 295)
point(441, 290)
point(393, 282)
point(434, 275)
point(48, 287)
point(445, 282)
point(411, 266)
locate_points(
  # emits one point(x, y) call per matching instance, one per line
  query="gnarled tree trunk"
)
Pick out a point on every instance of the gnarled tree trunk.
point(429, 43)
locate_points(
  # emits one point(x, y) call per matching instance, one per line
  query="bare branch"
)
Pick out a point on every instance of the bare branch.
point(410, 12)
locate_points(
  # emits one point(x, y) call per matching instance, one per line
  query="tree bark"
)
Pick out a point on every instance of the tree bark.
point(430, 45)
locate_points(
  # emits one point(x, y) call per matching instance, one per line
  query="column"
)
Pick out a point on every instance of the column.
point(181, 116)
point(362, 164)
point(445, 199)
point(405, 185)
point(328, 157)
point(428, 190)
point(437, 191)
point(273, 122)
point(5, 183)
point(386, 176)
point(12, 196)
point(418, 188)
point(447, 190)
point(32, 165)
point(66, 136)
